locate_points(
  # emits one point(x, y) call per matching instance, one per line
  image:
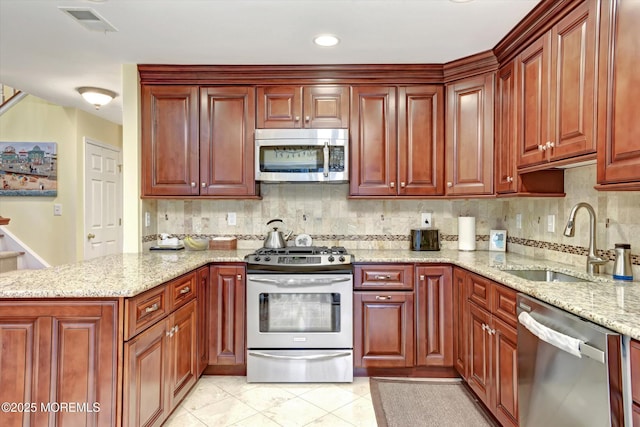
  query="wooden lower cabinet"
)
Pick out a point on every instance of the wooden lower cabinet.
point(434, 316)
point(160, 366)
point(227, 315)
point(460, 322)
point(202, 279)
point(635, 381)
point(55, 352)
point(492, 354)
point(383, 329)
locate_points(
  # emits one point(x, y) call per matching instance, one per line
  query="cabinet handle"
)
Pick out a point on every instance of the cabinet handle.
point(392, 184)
point(542, 147)
point(449, 184)
point(152, 308)
point(551, 144)
point(239, 277)
point(509, 179)
point(382, 298)
point(382, 276)
point(185, 290)
point(484, 327)
point(175, 329)
point(193, 184)
point(402, 184)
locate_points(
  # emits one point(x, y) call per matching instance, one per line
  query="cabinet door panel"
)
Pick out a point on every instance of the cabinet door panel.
point(169, 140)
point(383, 329)
point(326, 107)
point(146, 359)
point(420, 140)
point(506, 373)
point(373, 141)
point(505, 172)
point(469, 136)
point(533, 100)
point(279, 107)
point(434, 328)
point(619, 82)
point(184, 361)
point(226, 141)
point(480, 353)
point(460, 322)
point(226, 339)
point(573, 59)
point(203, 317)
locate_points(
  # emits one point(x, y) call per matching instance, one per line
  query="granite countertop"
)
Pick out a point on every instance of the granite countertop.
point(612, 304)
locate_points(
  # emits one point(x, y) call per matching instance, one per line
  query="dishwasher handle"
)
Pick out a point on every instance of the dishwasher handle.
point(571, 345)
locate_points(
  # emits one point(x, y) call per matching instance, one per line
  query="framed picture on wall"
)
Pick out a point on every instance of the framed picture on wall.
point(498, 240)
point(28, 169)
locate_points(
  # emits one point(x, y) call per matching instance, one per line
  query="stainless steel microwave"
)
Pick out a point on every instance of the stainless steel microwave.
point(302, 155)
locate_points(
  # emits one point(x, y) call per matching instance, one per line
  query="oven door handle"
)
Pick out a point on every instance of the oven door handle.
point(307, 357)
point(293, 282)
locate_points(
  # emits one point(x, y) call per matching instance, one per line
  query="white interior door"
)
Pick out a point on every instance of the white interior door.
point(103, 200)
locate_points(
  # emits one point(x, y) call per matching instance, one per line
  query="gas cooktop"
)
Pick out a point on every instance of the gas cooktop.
point(294, 258)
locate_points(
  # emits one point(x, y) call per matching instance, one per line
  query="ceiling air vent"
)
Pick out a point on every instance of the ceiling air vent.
point(88, 18)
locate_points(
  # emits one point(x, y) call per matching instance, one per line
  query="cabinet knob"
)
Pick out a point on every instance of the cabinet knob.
point(193, 184)
point(392, 184)
point(542, 147)
point(239, 277)
point(509, 179)
point(551, 144)
point(422, 277)
point(402, 184)
point(307, 119)
point(297, 118)
point(449, 184)
point(204, 184)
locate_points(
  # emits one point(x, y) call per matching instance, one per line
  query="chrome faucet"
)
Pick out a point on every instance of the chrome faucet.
point(593, 261)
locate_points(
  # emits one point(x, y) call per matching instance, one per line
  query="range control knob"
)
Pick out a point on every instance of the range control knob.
point(256, 258)
point(331, 258)
point(267, 258)
point(341, 259)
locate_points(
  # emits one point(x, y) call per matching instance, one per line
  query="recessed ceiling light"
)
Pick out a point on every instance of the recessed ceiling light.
point(326, 40)
point(460, 1)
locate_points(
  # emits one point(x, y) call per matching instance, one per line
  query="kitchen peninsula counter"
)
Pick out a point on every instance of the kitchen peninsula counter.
point(612, 304)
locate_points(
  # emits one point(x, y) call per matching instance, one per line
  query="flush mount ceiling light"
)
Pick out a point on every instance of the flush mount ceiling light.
point(326, 40)
point(96, 96)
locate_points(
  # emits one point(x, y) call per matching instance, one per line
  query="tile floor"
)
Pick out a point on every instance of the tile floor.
point(231, 401)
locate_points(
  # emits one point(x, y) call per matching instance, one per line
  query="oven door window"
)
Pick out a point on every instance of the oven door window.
point(299, 312)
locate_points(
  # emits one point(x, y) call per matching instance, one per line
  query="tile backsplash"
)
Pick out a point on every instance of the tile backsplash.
point(325, 213)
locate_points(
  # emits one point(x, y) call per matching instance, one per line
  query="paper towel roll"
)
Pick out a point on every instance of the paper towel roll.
point(467, 233)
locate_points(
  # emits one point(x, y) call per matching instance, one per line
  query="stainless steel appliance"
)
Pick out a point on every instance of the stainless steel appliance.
point(310, 155)
point(570, 372)
point(622, 265)
point(300, 315)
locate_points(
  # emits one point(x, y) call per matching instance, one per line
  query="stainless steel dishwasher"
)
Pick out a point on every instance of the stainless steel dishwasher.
point(570, 372)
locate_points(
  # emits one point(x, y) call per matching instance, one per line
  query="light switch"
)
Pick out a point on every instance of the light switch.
point(57, 209)
point(231, 218)
point(551, 223)
point(519, 221)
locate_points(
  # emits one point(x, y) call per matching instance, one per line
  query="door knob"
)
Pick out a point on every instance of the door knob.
point(90, 236)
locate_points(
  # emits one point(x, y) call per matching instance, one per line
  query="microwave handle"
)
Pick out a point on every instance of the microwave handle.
point(325, 151)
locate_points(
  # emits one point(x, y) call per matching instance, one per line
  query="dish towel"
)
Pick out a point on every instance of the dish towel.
point(563, 342)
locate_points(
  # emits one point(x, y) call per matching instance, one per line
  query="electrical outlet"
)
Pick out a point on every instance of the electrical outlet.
point(551, 223)
point(231, 218)
point(425, 219)
point(147, 219)
point(57, 209)
point(519, 221)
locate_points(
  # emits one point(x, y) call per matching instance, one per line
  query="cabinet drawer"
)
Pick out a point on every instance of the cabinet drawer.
point(182, 290)
point(504, 304)
point(479, 291)
point(145, 309)
point(384, 276)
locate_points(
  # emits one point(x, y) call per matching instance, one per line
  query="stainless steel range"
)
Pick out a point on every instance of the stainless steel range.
point(300, 315)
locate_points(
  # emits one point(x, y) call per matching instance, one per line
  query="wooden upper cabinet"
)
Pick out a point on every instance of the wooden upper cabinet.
point(373, 141)
point(303, 107)
point(556, 91)
point(227, 123)
point(469, 136)
point(421, 140)
point(505, 170)
point(619, 84)
point(170, 140)
point(399, 155)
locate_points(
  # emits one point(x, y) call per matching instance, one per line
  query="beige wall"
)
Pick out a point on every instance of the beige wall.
point(57, 239)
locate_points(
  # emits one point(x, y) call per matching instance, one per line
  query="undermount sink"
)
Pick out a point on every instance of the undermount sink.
point(544, 276)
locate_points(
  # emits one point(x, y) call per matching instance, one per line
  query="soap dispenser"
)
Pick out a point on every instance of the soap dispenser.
point(622, 264)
